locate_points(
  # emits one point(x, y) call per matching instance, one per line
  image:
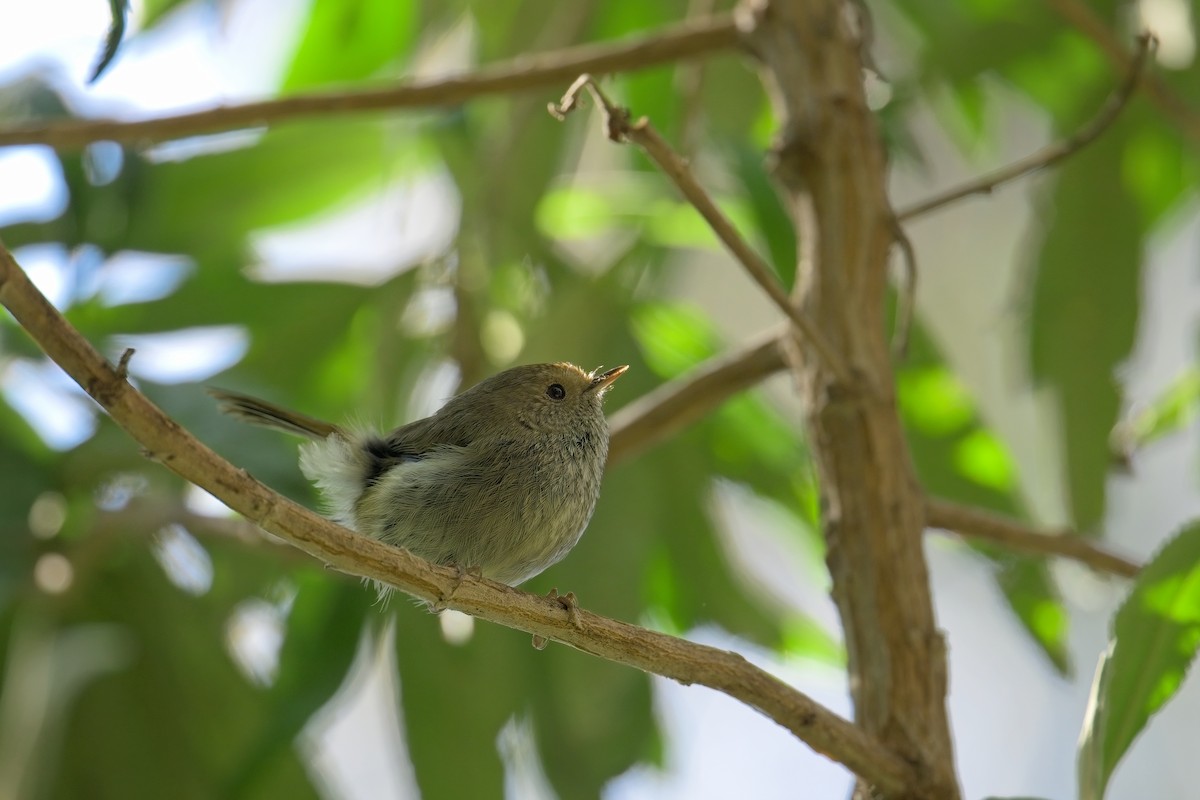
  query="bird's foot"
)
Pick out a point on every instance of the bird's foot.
point(570, 604)
point(460, 574)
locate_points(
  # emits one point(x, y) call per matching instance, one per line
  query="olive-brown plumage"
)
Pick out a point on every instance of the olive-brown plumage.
point(504, 477)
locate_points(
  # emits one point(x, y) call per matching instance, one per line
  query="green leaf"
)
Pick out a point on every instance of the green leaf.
point(679, 224)
point(580, 212)
point(770, 219)
point(1032, 594)
point(1155, 636)
point(673, 338)
point(1084, 312)
point(347, 40)
point(934, 401)
point(573, 212)
point(153, 11)
point(112, 40)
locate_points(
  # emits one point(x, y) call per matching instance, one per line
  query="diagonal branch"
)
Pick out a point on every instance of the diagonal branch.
point(1052, 154)
point(621, 129)
point(167, 442)
point(978, 523)
point(684, 40)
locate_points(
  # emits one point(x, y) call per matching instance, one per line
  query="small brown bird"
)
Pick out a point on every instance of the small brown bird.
point(503, 478)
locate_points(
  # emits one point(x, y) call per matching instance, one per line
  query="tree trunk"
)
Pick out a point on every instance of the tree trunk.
point(831, 165)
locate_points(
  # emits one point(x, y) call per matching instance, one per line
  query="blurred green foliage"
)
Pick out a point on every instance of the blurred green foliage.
point(145, 693)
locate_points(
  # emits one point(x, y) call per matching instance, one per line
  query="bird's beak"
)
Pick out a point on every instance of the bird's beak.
point(601, 382)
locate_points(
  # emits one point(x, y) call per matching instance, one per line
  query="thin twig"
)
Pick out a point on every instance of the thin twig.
point(669, 656)
point(642, 133)
point(1087, 21)
point(976, 522)
point(684, 40)
point(123, 363)
point(906, 295)
point(1051, 154)
point(675, 405)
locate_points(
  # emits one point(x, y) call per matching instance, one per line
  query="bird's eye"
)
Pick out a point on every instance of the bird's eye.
point(555, 391)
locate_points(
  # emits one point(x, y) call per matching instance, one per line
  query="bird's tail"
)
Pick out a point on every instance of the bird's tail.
point(260, 412)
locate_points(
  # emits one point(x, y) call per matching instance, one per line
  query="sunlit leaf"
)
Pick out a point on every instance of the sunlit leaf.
point(153, 11)
point(934, 400)
point(981, 457)
point(803, 637)
point(1034, 597)
point(680, 225)
point(673, 338)
point(351, 40)
point(1155, 636)
point(574, 213)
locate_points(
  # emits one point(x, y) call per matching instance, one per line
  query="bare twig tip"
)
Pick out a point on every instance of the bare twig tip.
point(122, 369)
point(570, 98)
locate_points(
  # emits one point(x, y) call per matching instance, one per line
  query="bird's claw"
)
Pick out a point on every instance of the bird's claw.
point(460, 574)
point(570, 604)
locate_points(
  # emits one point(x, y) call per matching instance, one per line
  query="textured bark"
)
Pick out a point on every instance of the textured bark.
point(830, 162)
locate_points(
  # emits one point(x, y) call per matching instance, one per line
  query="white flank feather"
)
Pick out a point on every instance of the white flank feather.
point(335, 465)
